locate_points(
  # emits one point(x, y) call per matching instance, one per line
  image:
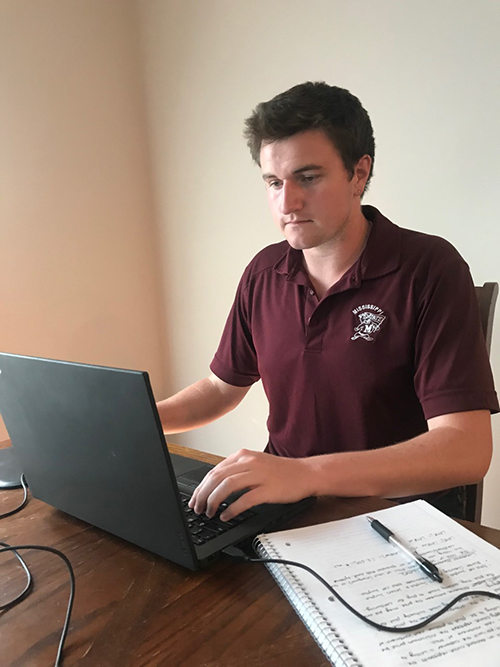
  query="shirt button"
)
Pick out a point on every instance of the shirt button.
point(311, 292)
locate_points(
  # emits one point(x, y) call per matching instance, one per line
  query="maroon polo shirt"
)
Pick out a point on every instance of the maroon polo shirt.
point(396, 341)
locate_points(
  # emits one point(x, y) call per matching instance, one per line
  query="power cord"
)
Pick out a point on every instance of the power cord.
point(20, 597)
point(29, 582)
point(238, 554)
point(24, 501)
point(4, 547)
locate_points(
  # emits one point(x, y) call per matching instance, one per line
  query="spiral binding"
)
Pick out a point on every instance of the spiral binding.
point(324, 633)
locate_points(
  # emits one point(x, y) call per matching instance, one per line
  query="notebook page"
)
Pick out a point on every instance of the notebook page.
point(378, 580)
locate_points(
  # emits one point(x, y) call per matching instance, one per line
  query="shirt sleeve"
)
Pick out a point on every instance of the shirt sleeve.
point(235, 361)
point(452, 369)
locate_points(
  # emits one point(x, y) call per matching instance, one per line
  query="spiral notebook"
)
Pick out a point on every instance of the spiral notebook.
point(380, 582)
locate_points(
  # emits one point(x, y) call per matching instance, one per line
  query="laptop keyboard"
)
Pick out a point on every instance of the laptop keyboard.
point(203, 529)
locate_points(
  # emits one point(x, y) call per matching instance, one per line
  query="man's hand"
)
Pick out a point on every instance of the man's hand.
point(455, 450)
point(266, 478)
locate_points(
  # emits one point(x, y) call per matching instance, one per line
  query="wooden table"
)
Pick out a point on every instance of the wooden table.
point(135, 609)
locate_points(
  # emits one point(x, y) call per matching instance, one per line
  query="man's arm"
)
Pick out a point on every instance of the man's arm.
point(456, 450)
point(199, 404)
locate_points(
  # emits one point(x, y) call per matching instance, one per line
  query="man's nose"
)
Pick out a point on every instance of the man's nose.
point(292, 198)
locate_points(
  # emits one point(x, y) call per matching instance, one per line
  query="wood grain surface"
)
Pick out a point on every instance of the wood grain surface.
point(134, 609)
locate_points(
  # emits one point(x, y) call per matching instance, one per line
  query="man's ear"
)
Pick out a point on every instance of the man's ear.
point(361, 173)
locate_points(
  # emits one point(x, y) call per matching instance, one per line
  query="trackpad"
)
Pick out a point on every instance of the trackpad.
point(193, 477)
point(190, 480)
point(183, 464)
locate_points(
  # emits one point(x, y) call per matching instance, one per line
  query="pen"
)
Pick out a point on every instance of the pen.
point(426, 566)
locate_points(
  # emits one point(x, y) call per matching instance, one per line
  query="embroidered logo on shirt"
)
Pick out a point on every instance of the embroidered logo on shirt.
point(370, 320)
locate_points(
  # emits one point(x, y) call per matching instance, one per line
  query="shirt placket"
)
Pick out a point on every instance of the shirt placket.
point(314, 327)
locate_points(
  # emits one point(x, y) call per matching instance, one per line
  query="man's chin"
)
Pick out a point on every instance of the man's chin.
point(300, 244)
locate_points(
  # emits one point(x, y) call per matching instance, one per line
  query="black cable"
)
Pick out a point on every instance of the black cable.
point(29, 578)
point(29, 582)
point(234, 552)
point(24, 484)
point(64, 632)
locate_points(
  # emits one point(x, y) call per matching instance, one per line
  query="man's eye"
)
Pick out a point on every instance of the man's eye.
point(309, 179)
point(274, 184)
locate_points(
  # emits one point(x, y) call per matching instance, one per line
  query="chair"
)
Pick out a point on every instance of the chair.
point(486, 297)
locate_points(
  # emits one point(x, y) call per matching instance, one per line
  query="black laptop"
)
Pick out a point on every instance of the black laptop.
point(90, 443)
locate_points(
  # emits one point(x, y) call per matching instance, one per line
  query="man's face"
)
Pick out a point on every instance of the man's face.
point(313, 199)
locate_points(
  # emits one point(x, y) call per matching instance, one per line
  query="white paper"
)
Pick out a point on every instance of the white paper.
point(380, 582)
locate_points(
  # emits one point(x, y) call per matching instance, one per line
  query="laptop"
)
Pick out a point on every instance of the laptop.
point(90, 443)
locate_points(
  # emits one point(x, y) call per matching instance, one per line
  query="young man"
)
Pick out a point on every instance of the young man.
point(366, 336)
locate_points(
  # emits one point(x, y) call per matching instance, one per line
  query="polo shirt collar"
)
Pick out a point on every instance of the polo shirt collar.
point(381, 256)
point(291, 266)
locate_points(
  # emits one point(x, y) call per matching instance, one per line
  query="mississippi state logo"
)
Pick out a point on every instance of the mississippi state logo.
point(370, 319)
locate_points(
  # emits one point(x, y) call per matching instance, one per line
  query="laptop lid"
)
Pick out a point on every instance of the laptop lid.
point(90, 443)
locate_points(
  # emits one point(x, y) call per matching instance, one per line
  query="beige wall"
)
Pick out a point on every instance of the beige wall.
point(79, 268)
point(426, 71)
point(85, 273)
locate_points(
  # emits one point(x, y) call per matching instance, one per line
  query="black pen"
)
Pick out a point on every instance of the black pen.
point(426, 566)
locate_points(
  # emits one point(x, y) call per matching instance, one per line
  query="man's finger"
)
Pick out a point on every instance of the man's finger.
point(245, 502)
point(213, 481)
point(229, 486)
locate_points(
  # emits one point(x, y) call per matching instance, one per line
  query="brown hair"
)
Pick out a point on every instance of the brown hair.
point(314, 106)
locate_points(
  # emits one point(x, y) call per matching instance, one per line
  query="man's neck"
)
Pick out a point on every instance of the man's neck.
point(326, 265)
